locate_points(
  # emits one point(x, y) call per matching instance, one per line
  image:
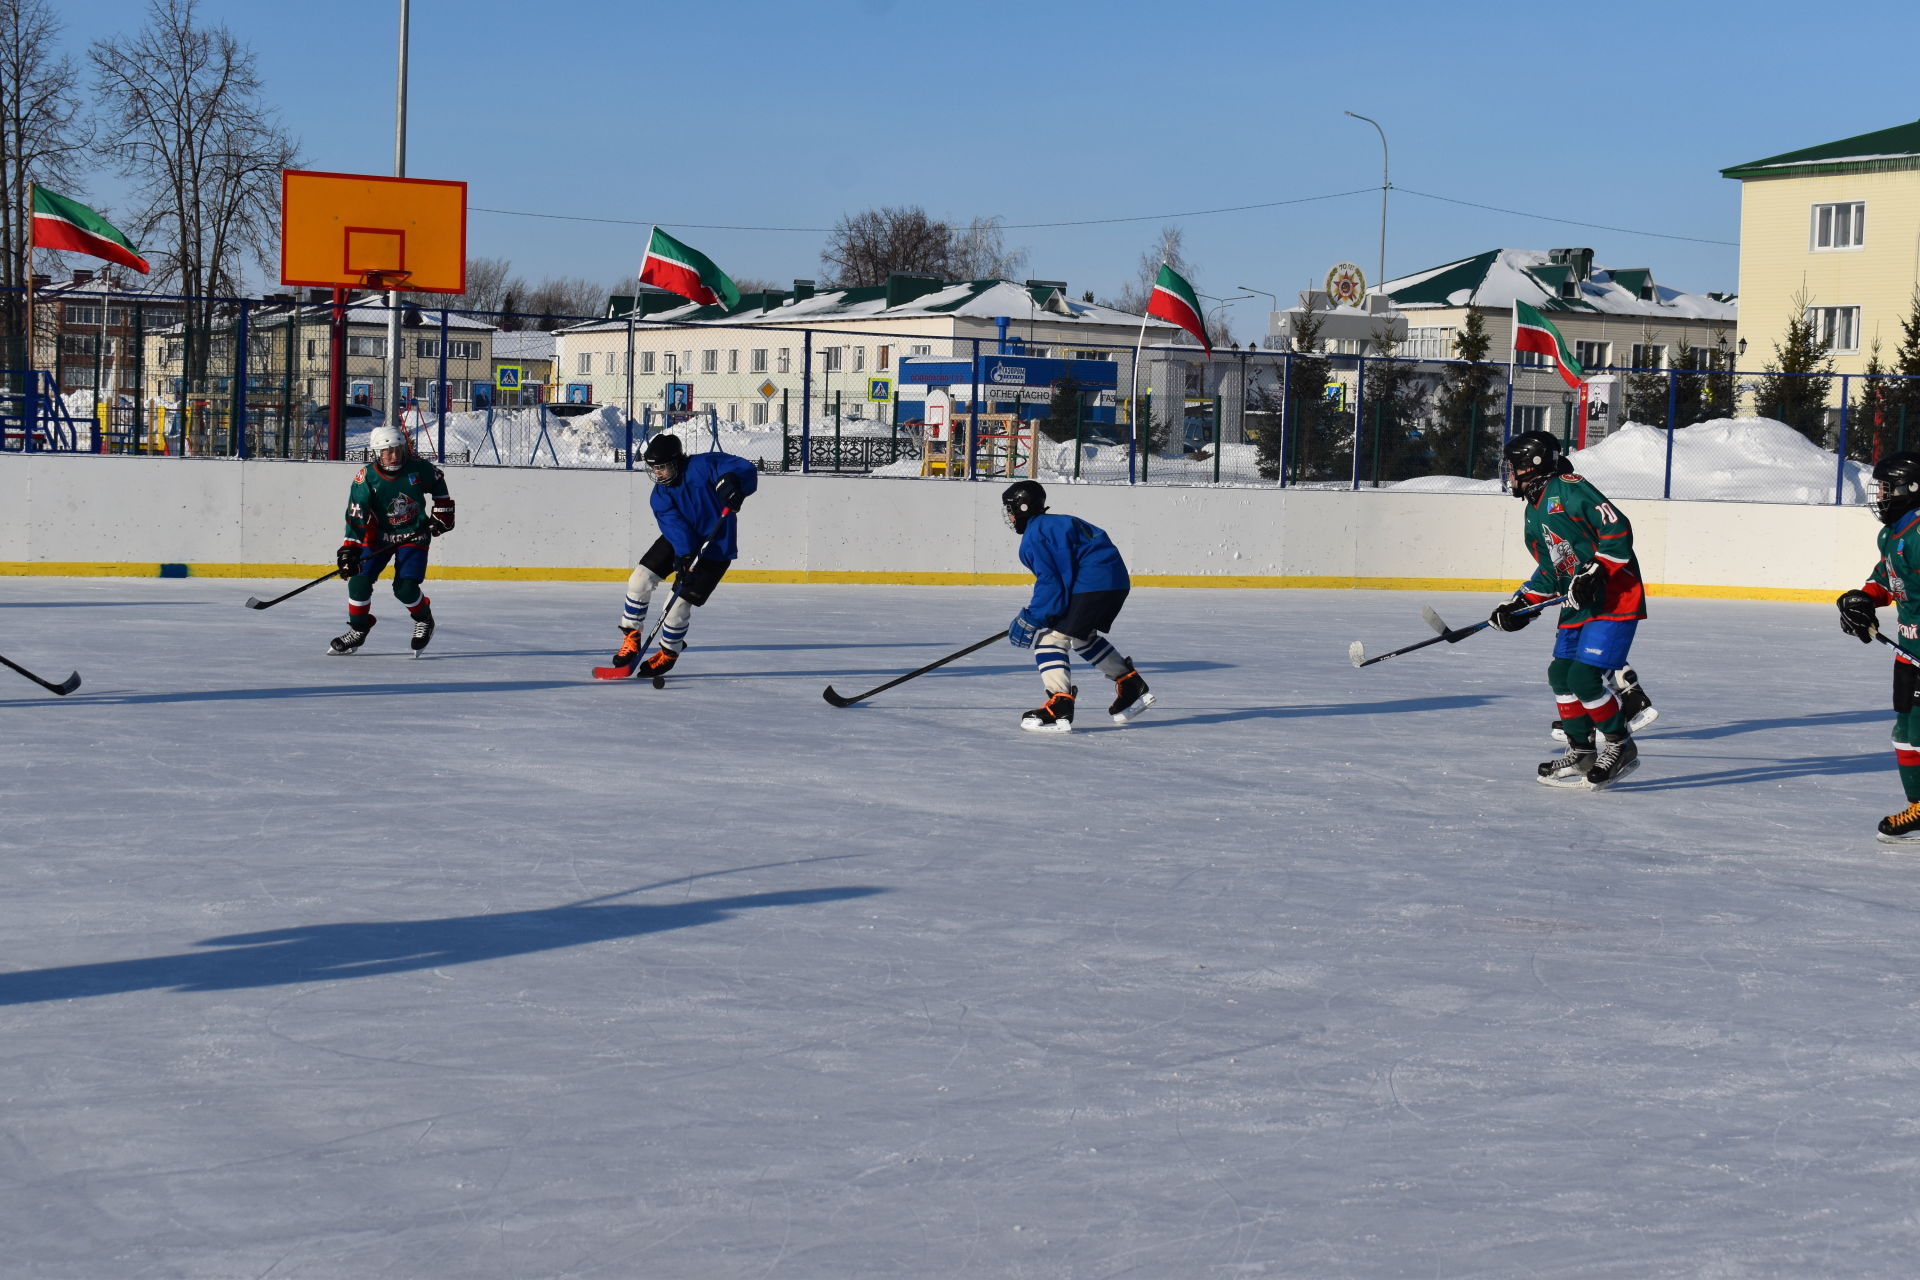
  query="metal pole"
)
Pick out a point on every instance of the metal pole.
point(806, 401)
point(1386, 182)
point(443, 393)
point(241, 342)
point(1840, 446)
point(399, 171)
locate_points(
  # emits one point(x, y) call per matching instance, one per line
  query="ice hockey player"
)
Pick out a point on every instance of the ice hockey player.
point(1894, 495)
point(398, 504)
point(1079, 584)
point(695, 545)
point(1583, 549)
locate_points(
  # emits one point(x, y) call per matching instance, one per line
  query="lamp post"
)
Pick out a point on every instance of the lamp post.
point(1385, 183)
point(399, 171)
point(1224, 303)
point(1275, 298)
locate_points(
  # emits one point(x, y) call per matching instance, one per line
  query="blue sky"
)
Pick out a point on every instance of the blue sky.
point(790, 114)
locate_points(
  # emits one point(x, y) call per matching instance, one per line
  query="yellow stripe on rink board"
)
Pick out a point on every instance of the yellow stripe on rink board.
point(832, 577)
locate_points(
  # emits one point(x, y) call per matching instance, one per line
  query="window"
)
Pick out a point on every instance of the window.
point(176, 350)
point(584, 363)
point(1838, 327)
point(830, 359)
point(83, 313)
point(920, 349)
point(757, 360)
point(646, 362)
point(883, 358)
point(311, 349)
point(1432, 342)
point(733, 413)
point(786, 360)
point(458, 350)
point(426, 348)
point(710, 361)
point(1529, 417)
point(1651, 355)
point(760, 414)
point(1840, 226)
point(1532, 360)
point(606, 366)
point(84, 344)
point(733, 360)
point(859, 359)
point(1593, 355)
point(366, 346)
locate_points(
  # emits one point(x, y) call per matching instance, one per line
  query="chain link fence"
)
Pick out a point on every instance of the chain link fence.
point(260, 378)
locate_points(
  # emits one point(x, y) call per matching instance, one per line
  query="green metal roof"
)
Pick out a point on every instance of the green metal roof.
point(1882, 150)
point(1438, 288)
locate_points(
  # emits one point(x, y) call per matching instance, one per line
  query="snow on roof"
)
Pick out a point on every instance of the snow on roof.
point(973, 299)
point(1500, 277)
point(1898, 146)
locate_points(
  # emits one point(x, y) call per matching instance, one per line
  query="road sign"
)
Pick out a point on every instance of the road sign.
point(768, 390)
point(879, 390)
point(355, 230)
point(507, 377)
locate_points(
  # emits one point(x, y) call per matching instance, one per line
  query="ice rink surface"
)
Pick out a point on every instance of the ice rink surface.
point(472, 967)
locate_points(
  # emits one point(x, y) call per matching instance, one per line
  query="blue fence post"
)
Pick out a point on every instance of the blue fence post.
point(1673, 400)
point(1840, 449)
point(240, 383)
point(629, 452)
point(1286, 414)
point(806, 402)
point(1359, 406)
point(445, 393)
point(973, 416)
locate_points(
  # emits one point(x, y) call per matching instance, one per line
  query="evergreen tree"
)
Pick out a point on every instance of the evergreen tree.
point(1320, 431)
point(1870, 427)
point(1646, 399)
point(1718, 391)
point(1465, 440)
point(1688, 367)
point(1902, 406)
point(1391, 418)
point(1802, 371)
point(1063, 411)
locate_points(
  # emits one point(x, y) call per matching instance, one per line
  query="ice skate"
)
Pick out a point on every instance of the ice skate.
point(1634, 702)
point(1053, 716)
point(1568, 770)
point(629, 651)
point(657, 666)
point(1130, 697)
point(1902, 827)
point(422, 630)
point(350, 642)
point(1618, 757)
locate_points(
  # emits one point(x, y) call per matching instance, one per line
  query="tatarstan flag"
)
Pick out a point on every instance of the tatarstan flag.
point(684, 270)
point(1174, 299)
point(60, 223)
point(1533, 332)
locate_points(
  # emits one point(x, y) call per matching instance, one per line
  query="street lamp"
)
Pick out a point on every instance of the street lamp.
point(1224, 302)
point(1385, 183)
point(1275, 297)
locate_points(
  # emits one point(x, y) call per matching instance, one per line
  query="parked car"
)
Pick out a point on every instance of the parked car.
point(356, 418)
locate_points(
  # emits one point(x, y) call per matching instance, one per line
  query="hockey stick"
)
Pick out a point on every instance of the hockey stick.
point(840, 700)
point(64, 688)
point(254, 602)
point(659, 682)
point(1358, 652)
point(1878, 634)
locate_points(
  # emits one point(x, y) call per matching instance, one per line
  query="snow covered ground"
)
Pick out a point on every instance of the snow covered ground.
point(471, 967)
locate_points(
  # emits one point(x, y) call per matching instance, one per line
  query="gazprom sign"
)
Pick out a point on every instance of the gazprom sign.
point(1010, 372)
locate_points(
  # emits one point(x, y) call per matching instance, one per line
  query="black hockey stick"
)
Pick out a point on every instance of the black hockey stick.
point(254, 602)
point(1878, 634)
point(64, 688)
point(1358, 652)
point(840, 700)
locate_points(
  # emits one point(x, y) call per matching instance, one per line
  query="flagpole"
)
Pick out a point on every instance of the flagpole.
point(1134, 413)
point(28, 403)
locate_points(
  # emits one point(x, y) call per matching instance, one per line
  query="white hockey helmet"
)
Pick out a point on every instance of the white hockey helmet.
point(383, 438)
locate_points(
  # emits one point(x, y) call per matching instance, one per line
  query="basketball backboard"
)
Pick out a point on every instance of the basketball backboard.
point(356, 230)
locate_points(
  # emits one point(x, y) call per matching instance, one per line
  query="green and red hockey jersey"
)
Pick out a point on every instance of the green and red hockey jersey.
point(1571, 525)
point(1895, 580)
point(391, 510)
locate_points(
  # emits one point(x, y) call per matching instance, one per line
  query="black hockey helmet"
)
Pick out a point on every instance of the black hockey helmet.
point(1532, 458)
point(1023, 500)
point(665, 453)
point(1895, 487)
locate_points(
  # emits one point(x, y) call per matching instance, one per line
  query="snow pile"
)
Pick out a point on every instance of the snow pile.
point(1725, 460)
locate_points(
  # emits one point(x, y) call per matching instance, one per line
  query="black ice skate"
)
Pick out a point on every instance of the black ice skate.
point(1130, 696)
point(1902, 827)
point(422, 630)
point(1618, 757)
point(657, 666)
point(1053, 716)
point(341, 645)
point(629, 651)
point(1569, 770)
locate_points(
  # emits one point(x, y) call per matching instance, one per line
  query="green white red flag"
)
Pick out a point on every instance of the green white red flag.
point(60, 223)
point(1534, 332)
point(1174, 299)
point(684, 270)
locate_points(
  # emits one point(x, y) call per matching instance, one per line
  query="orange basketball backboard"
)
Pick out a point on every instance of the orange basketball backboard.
point(352, 230)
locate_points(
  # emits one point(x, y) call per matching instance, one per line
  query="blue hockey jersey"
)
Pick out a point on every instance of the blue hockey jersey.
point(1067, 556)
point(686, 512)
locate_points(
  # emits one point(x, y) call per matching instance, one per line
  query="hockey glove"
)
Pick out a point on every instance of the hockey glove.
point(727, 489)
point(1857, 616)
point(348, 558)
point(1020, 632)
point(1506, 615)
point(440, 519)
point(1589, 587)
point(682, 566)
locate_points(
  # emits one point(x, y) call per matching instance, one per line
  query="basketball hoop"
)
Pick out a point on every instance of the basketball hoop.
point(385, 281)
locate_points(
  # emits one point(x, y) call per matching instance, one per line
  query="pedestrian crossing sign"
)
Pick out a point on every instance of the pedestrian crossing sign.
point(507, 377)
point(879, 390)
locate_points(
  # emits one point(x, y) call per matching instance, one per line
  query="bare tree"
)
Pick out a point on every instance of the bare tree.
point(980, 253)
point(41, 134)
point(489, 281)
point(181, 106)
point(560, 300)
point(1168, 249)
point(865, 248)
